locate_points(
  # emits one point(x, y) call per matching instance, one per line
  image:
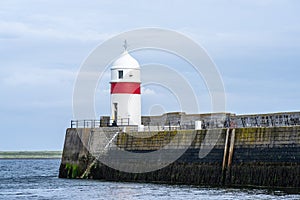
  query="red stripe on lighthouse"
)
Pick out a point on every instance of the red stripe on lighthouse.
point(125, 88)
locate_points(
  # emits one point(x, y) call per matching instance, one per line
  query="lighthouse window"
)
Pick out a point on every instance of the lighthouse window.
point(120, 74)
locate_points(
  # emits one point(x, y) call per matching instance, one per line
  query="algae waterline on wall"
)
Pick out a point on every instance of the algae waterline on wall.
point(241, 157)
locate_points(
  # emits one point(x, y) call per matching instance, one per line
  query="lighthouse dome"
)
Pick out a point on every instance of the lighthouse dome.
point(125, 61)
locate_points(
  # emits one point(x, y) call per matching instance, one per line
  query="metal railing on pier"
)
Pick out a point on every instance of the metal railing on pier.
point(85, 123)
point(99, 123)
point(182, 123)
point(272, 120)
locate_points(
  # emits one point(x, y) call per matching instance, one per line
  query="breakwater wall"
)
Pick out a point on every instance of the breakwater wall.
point(181, 120)
point(258, 156)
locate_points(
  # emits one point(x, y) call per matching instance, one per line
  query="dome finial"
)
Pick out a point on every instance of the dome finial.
point(125, 45)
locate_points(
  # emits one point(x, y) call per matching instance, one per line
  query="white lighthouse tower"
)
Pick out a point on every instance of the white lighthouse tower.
point(125, 90)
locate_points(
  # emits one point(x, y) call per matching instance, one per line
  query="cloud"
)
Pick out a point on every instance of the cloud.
point(38, 77)
point(34, 90)
point(18, 30)
point(148, 91)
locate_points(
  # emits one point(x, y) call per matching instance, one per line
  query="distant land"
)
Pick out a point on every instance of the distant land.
point(30, 154)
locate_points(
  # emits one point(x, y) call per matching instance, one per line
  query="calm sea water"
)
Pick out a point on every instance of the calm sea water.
point(37, 179)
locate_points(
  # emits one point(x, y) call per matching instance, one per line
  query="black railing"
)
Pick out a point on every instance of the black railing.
point(266, 120)
point(263, 120)
point(85, 123)
point(99, 123)
point(120, 122)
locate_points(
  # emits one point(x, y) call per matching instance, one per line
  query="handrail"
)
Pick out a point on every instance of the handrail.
point(229, 122)
point(92, 123)
point(85, 123)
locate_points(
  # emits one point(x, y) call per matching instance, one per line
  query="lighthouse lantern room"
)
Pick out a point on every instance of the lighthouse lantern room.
point(125, 90)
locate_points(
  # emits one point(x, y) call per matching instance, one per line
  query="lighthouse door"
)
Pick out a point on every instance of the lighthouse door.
point(115, 117)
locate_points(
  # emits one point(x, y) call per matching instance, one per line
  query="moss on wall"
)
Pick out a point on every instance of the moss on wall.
point(72, 170)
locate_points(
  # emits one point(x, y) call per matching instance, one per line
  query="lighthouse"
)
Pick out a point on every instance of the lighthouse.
point(125, 90)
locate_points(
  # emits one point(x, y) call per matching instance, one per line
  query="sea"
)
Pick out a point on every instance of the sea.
point(38, 179)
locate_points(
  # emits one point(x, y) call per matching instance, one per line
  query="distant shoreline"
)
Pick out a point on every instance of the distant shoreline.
point(30, 154)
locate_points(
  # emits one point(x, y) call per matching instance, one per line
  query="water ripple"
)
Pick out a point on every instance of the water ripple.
point(37, 179)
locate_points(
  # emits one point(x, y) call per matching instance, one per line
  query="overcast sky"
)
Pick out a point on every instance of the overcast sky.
point(254, 43)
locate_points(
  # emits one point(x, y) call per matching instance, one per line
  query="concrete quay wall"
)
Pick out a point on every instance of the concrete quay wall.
point(268, 157)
